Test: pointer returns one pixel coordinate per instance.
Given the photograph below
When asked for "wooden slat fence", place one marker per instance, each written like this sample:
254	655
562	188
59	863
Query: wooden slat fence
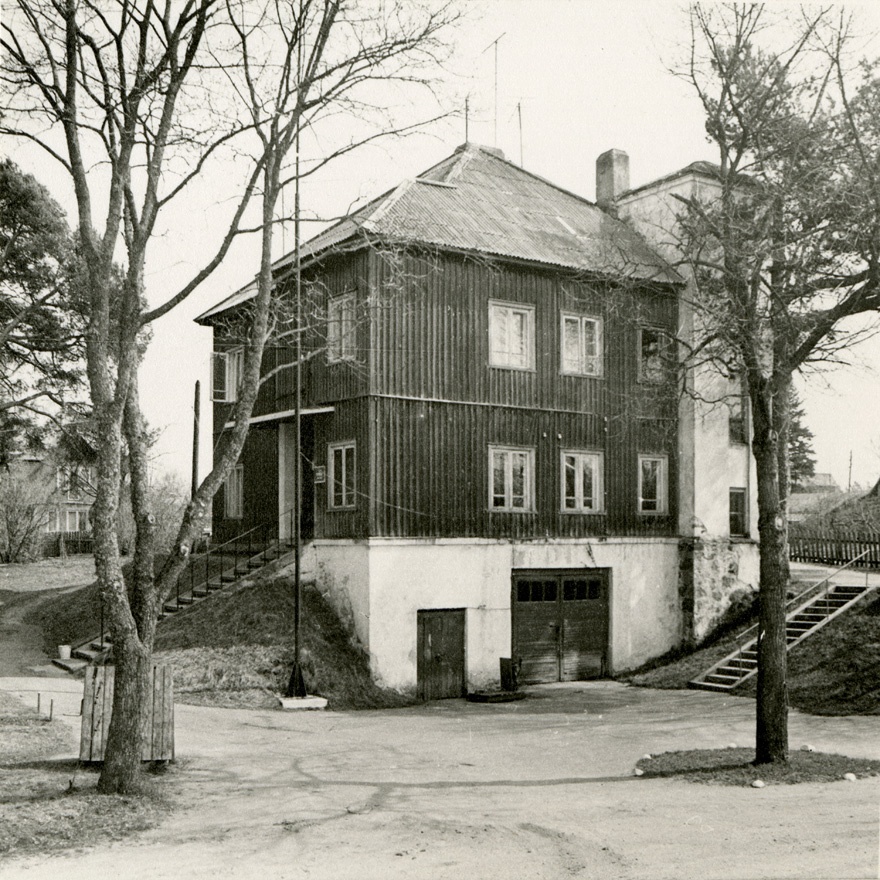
98	707
836	548
63	543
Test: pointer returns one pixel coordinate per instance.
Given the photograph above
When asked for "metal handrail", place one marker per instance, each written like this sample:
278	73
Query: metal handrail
795	599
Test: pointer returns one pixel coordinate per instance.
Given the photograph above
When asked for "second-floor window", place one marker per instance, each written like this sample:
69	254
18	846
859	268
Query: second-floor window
581	345
736	412
228	368
655	355
341	482
511	336
233	496
582	482
653	484
511	478
77	483
341	330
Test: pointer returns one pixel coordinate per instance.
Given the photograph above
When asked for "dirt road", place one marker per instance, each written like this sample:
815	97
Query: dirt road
536	789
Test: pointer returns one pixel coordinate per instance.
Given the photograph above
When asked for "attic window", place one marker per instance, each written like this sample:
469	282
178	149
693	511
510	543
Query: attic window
436	183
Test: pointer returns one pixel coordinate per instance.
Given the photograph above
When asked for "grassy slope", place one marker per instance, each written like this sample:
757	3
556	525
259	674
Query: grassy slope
835	672
240	642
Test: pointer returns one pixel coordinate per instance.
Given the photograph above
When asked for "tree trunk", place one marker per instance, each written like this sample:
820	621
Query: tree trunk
123	753
771	734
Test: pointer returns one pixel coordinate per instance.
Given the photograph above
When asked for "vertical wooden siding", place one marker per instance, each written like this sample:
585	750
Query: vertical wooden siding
431	472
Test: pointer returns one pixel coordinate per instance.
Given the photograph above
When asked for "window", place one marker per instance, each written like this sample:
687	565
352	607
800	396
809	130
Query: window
511	478
77	521
511	336
233	497
581	345
341	485
655	354
228	367
53	521
341	336
77	483
582	482
736	412
739	522
653	484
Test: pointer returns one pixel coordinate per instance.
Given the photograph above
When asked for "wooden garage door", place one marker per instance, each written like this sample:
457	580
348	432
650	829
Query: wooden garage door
560	625
440	644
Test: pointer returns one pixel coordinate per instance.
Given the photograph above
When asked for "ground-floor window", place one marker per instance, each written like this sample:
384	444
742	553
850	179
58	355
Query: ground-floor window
739	522
233	496
341	485
77	521
582	482
511	478
653	484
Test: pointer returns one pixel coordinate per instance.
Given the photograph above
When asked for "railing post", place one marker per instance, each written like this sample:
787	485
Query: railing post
102	620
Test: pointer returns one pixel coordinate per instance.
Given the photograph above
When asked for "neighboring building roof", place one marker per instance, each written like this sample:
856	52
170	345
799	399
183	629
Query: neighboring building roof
817	483
704	169
477	201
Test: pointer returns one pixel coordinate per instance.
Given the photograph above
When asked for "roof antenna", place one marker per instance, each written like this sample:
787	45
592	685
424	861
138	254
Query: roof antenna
467	116
519	114
495	44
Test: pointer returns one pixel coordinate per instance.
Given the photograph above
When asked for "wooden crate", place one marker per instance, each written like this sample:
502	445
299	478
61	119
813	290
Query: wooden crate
98	707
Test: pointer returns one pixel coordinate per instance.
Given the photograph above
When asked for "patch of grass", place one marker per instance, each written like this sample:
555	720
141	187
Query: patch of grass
67	618
834	672
45	573
735	767
236	649
47	803
837	671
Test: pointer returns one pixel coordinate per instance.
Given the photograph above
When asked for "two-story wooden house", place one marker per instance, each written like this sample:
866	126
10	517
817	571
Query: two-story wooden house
490	430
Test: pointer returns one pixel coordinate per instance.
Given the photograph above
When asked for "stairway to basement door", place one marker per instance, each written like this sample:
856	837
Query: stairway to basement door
801	623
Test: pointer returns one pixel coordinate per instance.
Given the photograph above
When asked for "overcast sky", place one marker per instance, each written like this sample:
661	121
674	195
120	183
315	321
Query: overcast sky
587	76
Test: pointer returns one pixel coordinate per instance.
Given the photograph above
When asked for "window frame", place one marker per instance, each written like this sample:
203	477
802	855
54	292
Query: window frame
342	344
528	478
233	367
527	309
79	514
663	488
742	493
233	493
597	322
665	340
737	413
332	448
580	456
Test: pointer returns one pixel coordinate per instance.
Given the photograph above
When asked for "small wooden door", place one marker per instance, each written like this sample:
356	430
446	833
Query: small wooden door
560	625
440	666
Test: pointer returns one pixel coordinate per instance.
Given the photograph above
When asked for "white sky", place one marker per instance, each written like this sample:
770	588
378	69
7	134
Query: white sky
588	75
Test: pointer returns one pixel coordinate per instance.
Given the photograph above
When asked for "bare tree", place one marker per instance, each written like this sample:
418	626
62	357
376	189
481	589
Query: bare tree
784	253
123	94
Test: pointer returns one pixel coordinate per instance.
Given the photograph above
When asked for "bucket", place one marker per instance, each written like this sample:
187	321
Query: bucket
64	652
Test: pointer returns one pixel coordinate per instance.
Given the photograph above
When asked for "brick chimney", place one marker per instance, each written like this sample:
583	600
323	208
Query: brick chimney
612	178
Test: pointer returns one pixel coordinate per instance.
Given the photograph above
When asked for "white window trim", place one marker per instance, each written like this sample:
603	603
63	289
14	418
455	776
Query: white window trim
526	309
600	353
343	346
331	475
664	373
582	455
663	500
234	492
743	491
233	367
529	480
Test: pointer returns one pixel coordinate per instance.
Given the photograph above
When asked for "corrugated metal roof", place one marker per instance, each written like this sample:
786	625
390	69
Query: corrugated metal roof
492	206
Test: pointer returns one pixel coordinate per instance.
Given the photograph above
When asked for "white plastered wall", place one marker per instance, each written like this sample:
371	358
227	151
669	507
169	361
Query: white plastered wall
380	586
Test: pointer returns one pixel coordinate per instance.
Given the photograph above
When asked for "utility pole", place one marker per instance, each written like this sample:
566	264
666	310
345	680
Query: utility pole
849	484
296	687
195	448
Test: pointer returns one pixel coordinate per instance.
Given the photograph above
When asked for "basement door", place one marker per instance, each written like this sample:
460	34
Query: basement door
560	625
440	664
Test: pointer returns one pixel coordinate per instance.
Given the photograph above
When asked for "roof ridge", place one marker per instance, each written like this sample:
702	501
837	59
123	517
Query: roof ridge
370	222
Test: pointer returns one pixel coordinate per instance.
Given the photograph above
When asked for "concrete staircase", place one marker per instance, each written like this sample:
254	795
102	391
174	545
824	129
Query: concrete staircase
97	648
808	617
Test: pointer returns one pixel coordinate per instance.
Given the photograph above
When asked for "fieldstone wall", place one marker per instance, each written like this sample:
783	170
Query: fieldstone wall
718	579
